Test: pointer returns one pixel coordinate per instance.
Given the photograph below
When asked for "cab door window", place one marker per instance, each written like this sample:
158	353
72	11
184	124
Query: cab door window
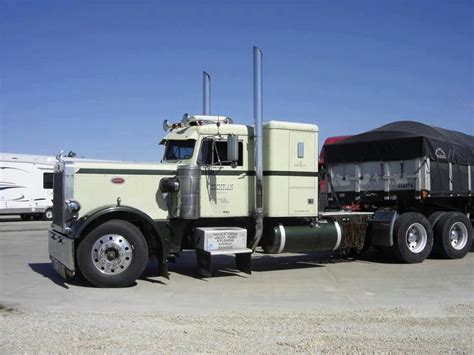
215	153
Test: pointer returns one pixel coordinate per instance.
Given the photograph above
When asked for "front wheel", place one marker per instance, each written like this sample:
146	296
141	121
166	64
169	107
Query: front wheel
453	235
412	237
114	254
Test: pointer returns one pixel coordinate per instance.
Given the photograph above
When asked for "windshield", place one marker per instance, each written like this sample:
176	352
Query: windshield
179	149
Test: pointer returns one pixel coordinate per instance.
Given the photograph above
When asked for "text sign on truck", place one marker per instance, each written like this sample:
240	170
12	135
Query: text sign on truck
211	239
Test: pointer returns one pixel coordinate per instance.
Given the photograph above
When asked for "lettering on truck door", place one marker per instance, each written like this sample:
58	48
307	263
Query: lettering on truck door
224	189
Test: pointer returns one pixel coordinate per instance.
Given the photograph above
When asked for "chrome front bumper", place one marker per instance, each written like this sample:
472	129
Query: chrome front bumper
61	253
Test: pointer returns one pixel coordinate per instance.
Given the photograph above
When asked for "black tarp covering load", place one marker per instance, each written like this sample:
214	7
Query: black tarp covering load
404	140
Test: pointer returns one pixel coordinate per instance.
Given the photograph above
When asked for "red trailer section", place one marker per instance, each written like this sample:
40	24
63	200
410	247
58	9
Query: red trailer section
328	141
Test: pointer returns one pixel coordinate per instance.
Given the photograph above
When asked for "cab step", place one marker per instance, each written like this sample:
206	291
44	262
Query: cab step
243	260
213	241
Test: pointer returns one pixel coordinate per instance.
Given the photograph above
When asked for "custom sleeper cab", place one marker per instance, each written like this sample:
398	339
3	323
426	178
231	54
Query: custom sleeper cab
113	216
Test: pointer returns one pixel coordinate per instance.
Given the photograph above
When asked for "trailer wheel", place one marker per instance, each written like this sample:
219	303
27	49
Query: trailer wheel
114	254
453	235
48	214
412	237
435	217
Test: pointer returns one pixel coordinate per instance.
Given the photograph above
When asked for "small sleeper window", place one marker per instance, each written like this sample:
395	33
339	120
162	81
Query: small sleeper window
300	150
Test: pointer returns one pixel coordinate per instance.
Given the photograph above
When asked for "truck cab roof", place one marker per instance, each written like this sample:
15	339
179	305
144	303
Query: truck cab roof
191	127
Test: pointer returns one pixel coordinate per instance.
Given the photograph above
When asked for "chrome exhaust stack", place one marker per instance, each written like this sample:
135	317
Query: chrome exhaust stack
258	117
206	93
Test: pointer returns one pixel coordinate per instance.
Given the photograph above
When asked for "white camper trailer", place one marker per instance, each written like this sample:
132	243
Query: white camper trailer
26	185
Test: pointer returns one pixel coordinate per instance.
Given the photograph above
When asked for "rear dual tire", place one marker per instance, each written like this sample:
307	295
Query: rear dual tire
447	234
412	238
453	235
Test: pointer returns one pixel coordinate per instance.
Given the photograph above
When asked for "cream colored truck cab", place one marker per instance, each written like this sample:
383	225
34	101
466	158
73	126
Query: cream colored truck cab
224	189
110	217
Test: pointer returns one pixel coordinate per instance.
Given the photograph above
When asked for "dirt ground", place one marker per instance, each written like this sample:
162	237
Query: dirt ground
375	330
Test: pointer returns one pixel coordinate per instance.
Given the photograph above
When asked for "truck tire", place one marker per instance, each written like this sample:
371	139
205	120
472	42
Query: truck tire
412	237
453	236
435	217
114	254
48	214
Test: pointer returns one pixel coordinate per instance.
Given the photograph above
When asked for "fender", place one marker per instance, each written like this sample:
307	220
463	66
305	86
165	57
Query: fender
382	227
114	212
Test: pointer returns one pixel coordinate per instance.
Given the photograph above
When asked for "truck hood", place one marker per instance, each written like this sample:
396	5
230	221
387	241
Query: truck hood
136	185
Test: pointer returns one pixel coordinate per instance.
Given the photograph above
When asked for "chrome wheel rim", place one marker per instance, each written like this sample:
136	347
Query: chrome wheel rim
458	235
416	238
111	254
49	214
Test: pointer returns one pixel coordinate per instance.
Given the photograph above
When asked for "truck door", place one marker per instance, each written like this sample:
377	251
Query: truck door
224	189
303	182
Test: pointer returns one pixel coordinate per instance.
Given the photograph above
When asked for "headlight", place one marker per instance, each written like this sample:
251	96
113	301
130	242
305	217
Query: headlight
73	207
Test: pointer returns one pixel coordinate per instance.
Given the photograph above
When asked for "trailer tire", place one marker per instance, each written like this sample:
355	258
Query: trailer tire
48	214
435	217
412	237
453	236
114	254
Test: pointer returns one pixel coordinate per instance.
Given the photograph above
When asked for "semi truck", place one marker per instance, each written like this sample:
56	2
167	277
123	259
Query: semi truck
26	185
221	189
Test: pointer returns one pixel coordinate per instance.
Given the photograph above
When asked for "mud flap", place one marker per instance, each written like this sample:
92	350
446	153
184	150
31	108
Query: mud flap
382	228
163	270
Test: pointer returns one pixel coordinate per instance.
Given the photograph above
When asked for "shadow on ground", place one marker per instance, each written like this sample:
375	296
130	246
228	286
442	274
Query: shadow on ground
47	271
224	266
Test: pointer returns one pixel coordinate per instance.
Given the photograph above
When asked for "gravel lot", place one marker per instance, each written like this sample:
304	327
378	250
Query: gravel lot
291	303
396	330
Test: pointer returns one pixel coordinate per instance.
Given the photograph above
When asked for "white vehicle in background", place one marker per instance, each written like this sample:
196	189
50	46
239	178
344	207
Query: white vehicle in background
26	185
